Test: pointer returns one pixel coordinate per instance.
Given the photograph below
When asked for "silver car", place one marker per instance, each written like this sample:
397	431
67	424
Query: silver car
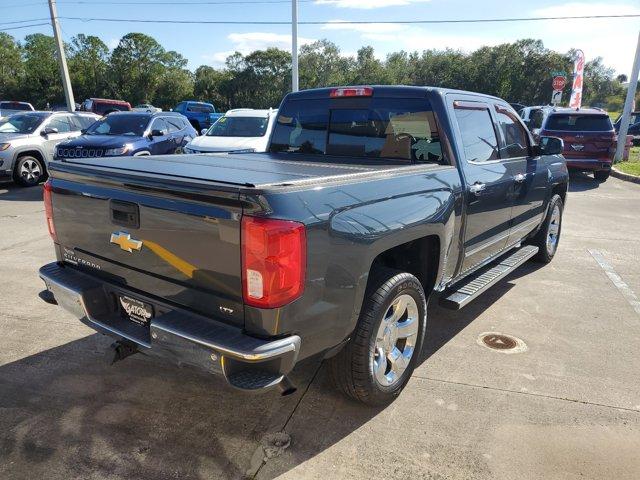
28	141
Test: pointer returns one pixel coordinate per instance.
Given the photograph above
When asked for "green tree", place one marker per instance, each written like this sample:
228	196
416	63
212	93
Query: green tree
137	66
213	86
321	65
88	66
42	83
11	67
260	79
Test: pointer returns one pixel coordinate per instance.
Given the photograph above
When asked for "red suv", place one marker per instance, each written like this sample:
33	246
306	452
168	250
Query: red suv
589	138
104	106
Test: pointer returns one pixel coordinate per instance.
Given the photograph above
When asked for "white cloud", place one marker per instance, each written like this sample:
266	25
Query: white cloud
367	4
113	43
246	43
613	39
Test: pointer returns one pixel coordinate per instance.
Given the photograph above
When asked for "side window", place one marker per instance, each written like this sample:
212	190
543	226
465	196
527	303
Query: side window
159	124
515	137
174	124
179	107
61	123
478	135
536	118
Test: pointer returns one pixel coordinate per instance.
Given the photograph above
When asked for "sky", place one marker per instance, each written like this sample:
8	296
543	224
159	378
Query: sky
613	39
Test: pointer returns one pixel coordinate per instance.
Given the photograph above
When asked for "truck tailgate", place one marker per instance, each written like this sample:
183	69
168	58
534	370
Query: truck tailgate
184	249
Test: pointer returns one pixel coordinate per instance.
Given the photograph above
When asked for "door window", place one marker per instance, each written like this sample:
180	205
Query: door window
174	124
61	123
478	135
160	124
515	139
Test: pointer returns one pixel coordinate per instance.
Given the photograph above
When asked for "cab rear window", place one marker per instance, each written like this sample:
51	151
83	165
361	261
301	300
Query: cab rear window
376	128
579	123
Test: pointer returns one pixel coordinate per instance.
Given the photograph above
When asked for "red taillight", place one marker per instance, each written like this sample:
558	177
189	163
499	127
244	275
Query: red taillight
48	209
273	261
351	92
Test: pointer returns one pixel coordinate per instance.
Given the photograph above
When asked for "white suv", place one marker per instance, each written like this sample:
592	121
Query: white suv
239	129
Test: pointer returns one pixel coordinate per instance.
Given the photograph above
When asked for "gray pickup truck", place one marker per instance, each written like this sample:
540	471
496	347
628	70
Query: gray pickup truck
370	202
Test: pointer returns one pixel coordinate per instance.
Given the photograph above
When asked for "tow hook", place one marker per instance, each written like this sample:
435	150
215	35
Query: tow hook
119	351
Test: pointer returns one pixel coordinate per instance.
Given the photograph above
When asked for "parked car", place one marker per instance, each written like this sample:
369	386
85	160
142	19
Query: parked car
9	108
104	106
239	129
28	140
588	135
533	116
370	201
634	126
517	106
201	115
146	107
130	134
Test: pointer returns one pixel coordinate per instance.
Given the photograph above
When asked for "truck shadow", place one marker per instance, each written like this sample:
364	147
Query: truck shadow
68	415
582	182
15	193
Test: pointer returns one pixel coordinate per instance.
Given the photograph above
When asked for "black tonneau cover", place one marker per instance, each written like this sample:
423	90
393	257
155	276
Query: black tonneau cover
255	170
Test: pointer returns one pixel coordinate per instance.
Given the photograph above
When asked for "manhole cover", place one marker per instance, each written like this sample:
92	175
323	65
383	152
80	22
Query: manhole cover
501	342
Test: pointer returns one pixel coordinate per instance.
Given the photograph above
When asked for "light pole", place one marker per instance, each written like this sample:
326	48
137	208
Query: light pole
294	45
64	72
628	103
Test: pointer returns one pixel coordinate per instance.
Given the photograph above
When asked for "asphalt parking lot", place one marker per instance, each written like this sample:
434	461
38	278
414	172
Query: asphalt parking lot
567	407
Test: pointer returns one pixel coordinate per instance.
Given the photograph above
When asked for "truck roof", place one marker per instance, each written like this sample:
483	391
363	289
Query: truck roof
405	91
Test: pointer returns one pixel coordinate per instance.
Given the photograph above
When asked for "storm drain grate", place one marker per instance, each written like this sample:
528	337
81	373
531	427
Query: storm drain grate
501	342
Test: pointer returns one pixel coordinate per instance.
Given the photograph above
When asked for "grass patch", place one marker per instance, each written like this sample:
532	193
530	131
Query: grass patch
631	167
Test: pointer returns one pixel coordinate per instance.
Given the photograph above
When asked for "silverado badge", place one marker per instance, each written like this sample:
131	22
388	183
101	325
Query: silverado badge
125	242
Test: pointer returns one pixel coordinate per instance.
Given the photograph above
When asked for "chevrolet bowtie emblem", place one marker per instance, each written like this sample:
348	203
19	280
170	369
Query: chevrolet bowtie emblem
125	242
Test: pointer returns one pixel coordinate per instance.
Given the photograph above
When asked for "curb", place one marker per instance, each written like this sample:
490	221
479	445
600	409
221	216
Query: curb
624	176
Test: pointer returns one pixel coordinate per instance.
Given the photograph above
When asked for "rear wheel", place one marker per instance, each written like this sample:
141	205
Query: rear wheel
377	362
548	236
29	171
601	175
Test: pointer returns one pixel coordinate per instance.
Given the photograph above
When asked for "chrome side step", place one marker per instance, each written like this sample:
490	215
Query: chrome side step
471	287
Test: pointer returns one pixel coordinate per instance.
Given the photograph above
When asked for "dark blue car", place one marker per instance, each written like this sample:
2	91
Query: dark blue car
130	134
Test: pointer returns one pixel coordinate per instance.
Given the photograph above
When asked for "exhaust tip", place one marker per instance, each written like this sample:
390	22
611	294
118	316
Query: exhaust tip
286	387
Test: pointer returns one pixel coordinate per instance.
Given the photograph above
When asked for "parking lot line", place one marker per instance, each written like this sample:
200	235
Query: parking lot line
617	281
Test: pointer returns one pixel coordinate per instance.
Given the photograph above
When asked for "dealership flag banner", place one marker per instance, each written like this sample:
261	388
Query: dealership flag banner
578	77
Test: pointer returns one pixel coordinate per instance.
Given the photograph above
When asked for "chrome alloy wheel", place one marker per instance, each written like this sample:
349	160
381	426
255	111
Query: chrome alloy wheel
395	340
554	230
30	171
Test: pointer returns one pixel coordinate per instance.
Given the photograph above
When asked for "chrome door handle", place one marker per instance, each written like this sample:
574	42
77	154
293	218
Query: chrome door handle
519	178
477	187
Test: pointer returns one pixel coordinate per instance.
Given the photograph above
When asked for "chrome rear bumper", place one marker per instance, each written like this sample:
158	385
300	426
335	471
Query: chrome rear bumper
247	362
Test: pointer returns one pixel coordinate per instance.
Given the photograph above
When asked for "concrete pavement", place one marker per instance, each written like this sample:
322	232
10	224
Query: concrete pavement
568	407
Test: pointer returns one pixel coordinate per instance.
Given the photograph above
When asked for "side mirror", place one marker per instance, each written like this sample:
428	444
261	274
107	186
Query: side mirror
204	131
550	146
48	131
83	131
156	133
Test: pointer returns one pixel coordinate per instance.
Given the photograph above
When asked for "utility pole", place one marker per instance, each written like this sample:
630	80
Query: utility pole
628	104
62	60
294	45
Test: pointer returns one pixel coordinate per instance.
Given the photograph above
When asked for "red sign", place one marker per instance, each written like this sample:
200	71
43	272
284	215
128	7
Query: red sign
559	82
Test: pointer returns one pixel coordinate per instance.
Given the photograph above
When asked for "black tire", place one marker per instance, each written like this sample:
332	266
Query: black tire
601	175
352	369
546	253
29	171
